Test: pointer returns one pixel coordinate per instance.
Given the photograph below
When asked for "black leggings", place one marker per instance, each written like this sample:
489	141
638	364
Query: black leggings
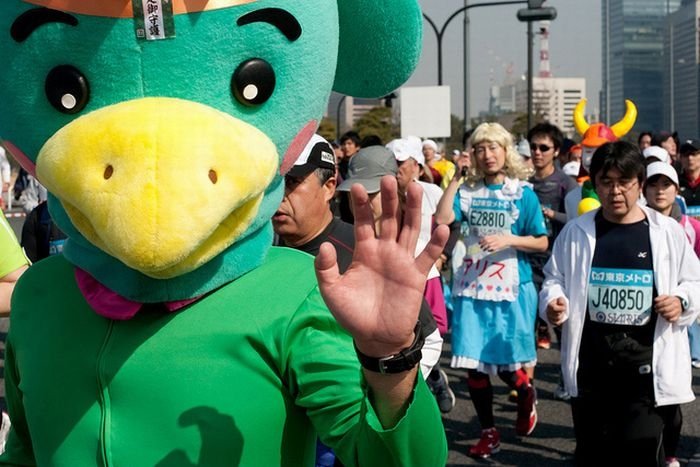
481	391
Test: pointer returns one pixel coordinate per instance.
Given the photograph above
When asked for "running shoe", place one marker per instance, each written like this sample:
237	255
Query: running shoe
444	395
490	443
527	413
672	462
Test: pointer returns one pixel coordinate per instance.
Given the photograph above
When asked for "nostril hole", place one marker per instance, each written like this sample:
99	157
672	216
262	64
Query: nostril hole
213	177
108	172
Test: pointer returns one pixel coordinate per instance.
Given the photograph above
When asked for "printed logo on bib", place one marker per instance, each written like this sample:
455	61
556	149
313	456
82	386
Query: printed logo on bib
620	296
489	216
56	247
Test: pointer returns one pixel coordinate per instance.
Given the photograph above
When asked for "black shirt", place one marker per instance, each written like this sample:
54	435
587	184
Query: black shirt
610	349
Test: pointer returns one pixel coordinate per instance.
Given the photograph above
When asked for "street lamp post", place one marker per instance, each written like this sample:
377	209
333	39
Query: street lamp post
439	33
337	128
534	12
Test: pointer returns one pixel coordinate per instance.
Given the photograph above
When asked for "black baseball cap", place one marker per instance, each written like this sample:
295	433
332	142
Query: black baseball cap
690	146
317	154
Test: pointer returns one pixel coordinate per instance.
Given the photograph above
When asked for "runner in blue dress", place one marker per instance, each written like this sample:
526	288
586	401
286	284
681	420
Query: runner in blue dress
495	300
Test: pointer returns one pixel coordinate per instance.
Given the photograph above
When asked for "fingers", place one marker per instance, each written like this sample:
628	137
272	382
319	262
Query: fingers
555	310
433	249
326	265
669	307
412	217
390	207
362	211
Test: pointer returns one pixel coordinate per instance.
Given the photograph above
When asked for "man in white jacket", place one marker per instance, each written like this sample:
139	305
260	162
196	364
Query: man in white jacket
624	283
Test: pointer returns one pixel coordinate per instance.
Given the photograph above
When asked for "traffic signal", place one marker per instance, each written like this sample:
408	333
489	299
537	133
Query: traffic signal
536	12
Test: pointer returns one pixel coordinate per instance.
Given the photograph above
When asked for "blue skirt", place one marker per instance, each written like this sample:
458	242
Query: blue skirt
491	336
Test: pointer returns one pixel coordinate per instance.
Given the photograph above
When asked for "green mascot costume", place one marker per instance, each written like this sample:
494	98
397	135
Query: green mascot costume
169	332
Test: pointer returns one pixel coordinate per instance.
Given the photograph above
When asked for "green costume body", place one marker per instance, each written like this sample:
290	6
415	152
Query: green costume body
244	376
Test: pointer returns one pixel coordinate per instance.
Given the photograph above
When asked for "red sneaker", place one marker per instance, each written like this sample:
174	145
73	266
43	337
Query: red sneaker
527	413
490	443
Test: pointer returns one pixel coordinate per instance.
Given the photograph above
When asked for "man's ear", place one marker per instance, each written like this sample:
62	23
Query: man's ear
380	44
329	189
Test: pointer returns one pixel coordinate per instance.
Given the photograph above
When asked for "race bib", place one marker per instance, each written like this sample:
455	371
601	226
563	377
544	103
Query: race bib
489	216
620	296
56	247
693	211
486	275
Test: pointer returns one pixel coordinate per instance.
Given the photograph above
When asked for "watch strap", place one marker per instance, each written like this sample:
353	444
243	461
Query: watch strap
397	363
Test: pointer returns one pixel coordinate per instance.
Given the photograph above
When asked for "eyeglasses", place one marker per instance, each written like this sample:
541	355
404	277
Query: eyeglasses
541	147
623	185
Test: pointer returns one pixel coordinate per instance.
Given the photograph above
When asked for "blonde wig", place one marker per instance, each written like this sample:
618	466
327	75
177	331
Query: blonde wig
514	166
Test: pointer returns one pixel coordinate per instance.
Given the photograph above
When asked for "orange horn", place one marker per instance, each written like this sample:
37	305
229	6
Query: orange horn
580	122
623	127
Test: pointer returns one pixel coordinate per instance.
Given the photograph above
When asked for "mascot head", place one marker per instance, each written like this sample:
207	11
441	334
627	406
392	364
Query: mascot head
162	128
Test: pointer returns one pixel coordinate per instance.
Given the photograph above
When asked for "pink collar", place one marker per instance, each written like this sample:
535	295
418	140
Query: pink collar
110	304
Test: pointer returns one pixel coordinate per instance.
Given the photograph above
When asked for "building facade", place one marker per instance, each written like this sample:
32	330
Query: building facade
554	99
681	78
633	59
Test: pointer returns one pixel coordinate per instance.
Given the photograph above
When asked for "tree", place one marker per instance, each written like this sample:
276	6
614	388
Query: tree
378	121
327	129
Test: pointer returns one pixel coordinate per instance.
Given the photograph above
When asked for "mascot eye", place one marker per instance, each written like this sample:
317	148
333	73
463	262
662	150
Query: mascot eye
253	82
67	89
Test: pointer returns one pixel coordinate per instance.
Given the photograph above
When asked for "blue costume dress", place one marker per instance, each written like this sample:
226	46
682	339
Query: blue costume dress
492	332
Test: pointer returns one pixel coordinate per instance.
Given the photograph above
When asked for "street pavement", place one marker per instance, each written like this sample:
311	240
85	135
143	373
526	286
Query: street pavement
552	442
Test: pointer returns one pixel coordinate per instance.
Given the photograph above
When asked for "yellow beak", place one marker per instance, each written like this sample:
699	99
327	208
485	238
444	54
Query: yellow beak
161	184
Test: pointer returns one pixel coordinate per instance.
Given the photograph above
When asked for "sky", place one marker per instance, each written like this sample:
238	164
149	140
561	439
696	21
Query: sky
497	39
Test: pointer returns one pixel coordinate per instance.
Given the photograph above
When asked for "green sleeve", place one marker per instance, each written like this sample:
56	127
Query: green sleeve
11	255
326	380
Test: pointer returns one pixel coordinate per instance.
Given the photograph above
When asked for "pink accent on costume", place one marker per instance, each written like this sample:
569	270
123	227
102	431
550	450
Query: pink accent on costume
297	145
110	304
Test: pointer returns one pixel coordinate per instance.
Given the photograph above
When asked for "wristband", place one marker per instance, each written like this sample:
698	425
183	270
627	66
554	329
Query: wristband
397	363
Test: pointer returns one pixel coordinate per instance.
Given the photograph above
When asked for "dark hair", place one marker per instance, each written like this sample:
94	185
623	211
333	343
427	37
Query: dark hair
324	174
350	135
547	129
371	140
642	135
623	156
662	136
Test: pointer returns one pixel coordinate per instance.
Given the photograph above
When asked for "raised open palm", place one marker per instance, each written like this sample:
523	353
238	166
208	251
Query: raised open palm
377	299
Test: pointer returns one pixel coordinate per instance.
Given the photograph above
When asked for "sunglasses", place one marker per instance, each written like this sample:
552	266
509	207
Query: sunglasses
541	147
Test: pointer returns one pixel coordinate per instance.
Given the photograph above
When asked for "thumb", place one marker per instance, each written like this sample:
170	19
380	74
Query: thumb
326	265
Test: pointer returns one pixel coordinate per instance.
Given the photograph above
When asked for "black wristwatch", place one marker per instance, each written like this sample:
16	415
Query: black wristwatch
397	363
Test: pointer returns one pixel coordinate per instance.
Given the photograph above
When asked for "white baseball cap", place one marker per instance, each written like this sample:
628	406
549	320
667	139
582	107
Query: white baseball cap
572	168
662	168
658	152
405	148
